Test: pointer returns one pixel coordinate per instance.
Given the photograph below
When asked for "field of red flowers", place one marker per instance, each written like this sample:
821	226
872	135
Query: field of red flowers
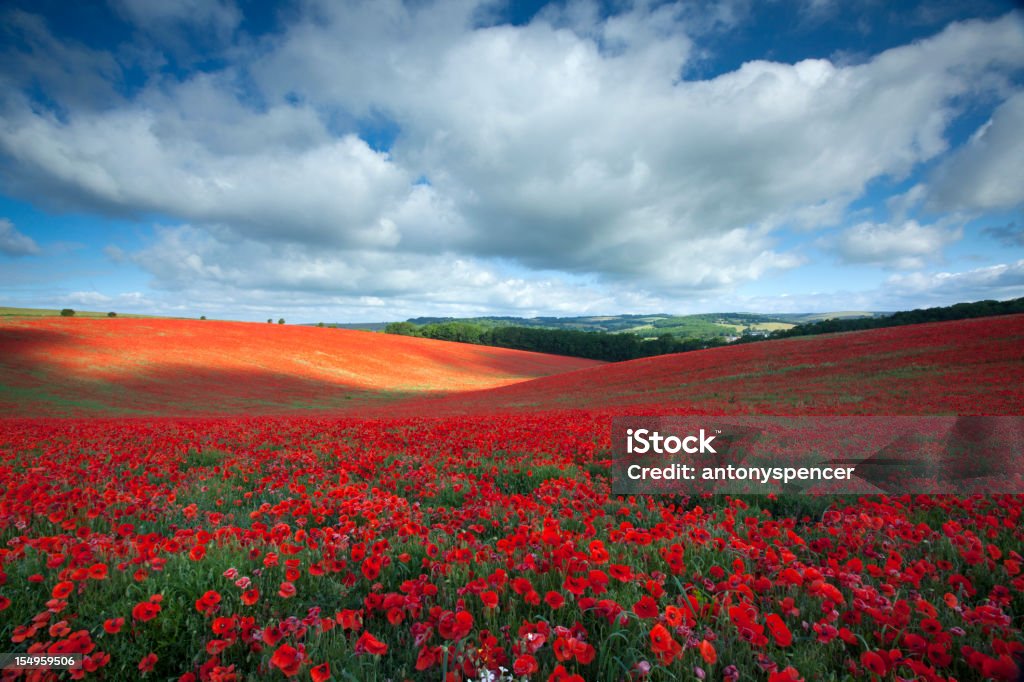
963	367
88	367
487	546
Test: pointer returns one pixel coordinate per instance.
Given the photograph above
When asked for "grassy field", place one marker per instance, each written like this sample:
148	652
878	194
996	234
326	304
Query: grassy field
47	312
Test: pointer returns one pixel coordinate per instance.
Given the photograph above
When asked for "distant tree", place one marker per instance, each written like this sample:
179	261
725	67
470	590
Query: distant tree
320	324
111	314
402	328
202	317
281	321
270	321
67	312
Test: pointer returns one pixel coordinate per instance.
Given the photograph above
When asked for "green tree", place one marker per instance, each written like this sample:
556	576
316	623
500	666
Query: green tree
111	314
67	312
402	328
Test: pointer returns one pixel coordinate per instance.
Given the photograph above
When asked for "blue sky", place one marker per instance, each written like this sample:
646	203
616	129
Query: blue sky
362	161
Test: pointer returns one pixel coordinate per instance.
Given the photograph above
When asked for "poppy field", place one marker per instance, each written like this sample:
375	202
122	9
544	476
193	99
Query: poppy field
474	536
67	367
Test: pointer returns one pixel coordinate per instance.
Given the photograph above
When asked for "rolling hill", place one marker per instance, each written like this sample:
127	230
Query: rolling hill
82	367
962	367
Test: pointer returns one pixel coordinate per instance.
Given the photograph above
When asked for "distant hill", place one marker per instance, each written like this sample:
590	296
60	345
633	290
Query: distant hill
81	366
960	367
700	326
6	311
697	326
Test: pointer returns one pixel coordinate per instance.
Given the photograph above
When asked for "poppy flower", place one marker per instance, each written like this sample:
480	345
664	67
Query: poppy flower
780	633
646	607
525	665
288	659
369	644
554	600
148	662
62	589
707	652
874	662
145	611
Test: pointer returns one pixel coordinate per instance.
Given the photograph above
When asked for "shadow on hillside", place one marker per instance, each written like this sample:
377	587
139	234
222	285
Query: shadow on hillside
17	342
34	382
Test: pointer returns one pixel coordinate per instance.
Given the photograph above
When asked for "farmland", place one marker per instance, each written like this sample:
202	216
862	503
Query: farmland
70	366
458	536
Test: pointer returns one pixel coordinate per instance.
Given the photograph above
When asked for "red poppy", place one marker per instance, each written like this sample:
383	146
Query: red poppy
646	607
288	659
780	633
455	626
707	652
554	599
320	673
428	657
874	662
525	665
148	662
145	611
489	598
367	643
62	589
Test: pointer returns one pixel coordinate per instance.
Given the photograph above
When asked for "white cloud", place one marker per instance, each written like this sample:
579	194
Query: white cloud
905	246
568	149
88	298
988	172
71	74
1009	234
1001	281
14	243
167	21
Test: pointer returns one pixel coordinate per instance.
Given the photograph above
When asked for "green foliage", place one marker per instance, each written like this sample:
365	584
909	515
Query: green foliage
281	321
67	312
959	311
206	457
661	334
402	329
111	314
571	342
202	317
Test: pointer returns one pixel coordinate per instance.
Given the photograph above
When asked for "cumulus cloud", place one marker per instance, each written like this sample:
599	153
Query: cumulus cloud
14	243
190	263
175	24
566	150
71	74
986	173
905	246
1001	281
1010	234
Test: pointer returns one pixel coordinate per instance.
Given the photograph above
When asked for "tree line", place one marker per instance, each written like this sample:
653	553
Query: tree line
959	311
611	347
615	347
